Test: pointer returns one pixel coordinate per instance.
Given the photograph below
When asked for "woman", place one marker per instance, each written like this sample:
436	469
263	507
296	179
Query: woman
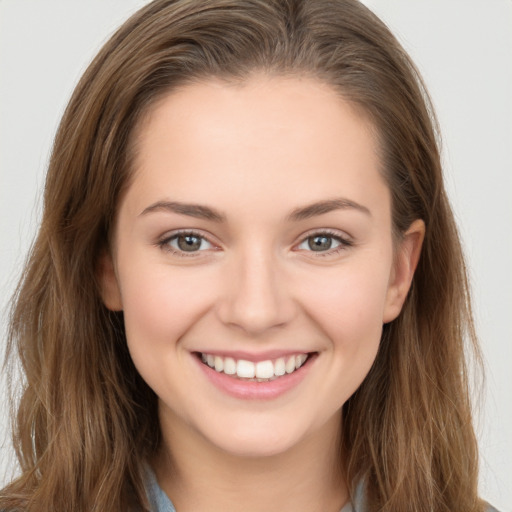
171	271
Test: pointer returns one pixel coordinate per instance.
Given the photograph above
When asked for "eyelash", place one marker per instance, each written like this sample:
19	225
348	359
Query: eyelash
164	244
344	243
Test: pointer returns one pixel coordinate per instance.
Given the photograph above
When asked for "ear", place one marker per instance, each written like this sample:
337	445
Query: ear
107	278
406	260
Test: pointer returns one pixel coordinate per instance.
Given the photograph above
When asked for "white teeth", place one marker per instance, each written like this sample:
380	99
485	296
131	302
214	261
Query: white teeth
245	369
229	366
300	360
290	365
219	364
279	367
262	371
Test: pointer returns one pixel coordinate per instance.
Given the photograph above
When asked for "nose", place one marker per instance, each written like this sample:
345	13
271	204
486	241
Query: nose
255	294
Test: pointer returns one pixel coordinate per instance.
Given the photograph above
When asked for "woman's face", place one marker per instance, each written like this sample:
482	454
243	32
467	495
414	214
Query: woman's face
254	262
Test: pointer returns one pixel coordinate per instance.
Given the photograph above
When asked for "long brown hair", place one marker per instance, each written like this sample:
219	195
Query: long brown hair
86	421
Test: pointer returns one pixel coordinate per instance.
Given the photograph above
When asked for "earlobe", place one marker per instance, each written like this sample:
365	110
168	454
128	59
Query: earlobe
407	257
107	279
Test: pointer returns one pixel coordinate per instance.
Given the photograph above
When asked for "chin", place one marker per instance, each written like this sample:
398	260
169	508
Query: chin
255	449
256	441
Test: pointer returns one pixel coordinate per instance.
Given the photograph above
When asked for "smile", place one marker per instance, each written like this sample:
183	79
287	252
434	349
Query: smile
261	371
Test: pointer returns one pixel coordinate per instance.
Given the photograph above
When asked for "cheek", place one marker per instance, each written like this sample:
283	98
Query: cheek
160	305
348	307
350	300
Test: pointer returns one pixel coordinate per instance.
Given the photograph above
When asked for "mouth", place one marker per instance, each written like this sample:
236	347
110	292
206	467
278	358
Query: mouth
249	377
261	371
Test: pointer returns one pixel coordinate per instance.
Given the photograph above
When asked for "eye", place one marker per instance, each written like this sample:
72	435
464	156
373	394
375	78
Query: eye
324	242
185	242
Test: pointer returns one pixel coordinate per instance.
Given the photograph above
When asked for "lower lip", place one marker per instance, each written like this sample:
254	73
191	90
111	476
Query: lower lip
252	390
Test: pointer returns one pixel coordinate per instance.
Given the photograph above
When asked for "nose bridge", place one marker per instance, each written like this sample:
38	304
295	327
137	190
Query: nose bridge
255	297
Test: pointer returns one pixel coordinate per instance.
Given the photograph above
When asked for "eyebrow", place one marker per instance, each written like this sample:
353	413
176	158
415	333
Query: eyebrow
298	214
321	207
192	210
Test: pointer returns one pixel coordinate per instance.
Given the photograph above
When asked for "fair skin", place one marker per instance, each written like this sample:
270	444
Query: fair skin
256	280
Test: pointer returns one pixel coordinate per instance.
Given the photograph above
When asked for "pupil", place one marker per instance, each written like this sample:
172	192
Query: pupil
189	243
320	243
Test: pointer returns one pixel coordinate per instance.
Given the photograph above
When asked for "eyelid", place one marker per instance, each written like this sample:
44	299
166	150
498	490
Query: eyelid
344	239
164	242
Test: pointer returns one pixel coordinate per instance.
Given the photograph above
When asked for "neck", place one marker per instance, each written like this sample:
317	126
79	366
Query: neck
200	477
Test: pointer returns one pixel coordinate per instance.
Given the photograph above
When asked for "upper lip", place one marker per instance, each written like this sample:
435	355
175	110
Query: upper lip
254	357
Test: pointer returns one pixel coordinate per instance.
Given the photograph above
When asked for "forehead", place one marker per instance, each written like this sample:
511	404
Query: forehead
258	138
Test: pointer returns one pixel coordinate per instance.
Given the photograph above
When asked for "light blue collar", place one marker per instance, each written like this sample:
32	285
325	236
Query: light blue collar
160	502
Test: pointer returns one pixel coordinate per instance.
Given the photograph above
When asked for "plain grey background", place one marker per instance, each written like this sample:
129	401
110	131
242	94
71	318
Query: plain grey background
463	49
